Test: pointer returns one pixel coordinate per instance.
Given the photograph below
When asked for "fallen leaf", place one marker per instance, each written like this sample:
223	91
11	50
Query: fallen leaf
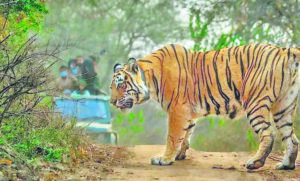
5	162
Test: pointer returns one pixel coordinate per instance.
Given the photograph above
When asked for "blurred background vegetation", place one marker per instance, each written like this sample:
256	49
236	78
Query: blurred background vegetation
114	31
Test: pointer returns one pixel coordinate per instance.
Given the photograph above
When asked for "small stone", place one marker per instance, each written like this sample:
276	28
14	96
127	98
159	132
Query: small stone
98	161
230	168
218	167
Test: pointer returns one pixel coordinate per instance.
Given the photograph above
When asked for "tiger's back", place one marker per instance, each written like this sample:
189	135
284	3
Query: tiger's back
218	82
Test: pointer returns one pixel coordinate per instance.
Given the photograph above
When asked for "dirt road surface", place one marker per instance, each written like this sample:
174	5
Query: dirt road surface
134	164
104	162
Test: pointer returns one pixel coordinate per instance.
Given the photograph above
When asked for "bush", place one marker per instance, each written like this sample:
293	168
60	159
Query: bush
30	131
39	137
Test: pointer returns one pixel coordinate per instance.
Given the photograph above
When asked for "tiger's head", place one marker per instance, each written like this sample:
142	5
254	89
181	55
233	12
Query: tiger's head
128	86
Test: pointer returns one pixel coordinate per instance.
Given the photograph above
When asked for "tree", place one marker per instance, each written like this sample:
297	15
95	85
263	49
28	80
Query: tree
122	28
23	68
268	21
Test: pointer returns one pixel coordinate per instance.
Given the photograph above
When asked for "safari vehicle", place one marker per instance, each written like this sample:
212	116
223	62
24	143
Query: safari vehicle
92	113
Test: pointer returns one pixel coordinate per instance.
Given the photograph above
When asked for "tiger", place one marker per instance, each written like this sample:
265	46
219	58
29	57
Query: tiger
259	81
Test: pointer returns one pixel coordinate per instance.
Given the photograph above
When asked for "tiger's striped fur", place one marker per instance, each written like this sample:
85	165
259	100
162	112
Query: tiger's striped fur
260	81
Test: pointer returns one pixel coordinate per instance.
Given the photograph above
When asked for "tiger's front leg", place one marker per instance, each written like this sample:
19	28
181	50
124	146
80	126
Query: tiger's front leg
176	135
186	142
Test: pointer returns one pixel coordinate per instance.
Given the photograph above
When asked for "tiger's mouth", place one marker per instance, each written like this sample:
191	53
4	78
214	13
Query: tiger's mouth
125	104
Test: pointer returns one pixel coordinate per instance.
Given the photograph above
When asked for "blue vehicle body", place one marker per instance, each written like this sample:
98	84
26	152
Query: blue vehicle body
91	112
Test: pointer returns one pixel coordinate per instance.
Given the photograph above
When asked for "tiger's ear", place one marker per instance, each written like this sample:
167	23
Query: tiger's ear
133	66
117	67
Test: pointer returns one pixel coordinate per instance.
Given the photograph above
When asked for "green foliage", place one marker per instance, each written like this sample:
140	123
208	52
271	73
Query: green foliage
129	126
29	6
273	22
253	144
55	155
47	102
23	17
199	33
227	40
38	138
218	134
198	30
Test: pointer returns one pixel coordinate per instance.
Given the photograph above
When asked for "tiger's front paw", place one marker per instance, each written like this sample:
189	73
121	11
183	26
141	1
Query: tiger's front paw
254	164
160	160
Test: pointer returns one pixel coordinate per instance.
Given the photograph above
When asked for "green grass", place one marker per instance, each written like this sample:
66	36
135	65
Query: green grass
46	137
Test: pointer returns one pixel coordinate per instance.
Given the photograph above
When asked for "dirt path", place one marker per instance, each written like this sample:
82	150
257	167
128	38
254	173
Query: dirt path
198	166
103	162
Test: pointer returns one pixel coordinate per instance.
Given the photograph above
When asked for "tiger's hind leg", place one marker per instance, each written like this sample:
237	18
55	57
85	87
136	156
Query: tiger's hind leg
283	117
186	142
259	118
